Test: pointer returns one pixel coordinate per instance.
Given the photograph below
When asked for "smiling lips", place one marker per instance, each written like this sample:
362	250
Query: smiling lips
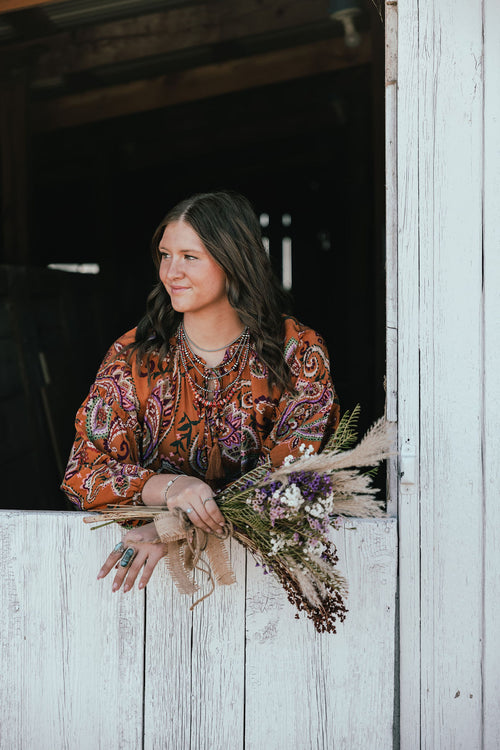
177	289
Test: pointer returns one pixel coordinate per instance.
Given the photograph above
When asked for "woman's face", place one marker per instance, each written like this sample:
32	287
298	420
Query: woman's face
192	278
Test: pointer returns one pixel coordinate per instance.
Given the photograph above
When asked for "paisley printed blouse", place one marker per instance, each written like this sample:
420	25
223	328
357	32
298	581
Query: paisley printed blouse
135	423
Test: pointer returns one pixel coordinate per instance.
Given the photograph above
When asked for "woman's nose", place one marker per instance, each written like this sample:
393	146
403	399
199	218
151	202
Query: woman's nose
174	270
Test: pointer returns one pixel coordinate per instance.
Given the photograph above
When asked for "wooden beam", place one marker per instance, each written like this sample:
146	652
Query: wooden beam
199	83
202	25
6	6
31	23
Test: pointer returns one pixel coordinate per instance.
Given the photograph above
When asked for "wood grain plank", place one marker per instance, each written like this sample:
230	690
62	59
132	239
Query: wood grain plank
199	83
359	673
450	226
195	664
167	696
6	6
325	689
72	651
408	372
218	663
391	262
491	238
176	29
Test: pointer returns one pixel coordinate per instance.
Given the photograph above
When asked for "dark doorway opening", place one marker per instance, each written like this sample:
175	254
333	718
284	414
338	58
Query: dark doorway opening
302	151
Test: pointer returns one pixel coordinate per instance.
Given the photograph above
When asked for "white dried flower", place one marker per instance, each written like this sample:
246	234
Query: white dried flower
292	496
315	510
277	544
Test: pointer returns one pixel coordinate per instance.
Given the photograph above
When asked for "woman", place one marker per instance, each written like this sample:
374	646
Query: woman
213	380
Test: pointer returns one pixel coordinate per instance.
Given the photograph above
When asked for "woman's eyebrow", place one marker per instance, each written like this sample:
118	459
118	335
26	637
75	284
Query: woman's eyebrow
183	250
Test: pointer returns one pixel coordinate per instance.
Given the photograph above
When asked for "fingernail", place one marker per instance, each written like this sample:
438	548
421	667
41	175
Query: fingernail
115	587
141	585
99	575
126	587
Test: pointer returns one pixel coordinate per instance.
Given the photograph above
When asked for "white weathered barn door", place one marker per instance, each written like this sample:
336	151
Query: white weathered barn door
86	669
444	174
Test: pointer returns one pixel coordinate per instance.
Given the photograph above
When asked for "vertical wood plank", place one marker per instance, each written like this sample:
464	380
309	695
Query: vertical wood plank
408	373
359	683
491	249
218	664
167	694
195	664
449	197
325	690
391	264
72	652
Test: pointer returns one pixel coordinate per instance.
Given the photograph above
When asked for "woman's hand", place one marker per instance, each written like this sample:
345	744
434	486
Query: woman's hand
147	550
195	498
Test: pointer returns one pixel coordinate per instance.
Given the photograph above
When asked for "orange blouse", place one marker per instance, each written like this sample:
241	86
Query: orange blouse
135	424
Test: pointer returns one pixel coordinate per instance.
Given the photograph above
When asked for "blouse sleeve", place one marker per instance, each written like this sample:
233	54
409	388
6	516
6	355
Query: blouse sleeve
104	465
309	415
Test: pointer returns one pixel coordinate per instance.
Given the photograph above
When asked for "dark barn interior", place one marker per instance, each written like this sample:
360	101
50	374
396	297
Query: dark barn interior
110	113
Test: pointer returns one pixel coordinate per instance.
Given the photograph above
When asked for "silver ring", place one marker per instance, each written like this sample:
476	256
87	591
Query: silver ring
206	500
189	510
120	547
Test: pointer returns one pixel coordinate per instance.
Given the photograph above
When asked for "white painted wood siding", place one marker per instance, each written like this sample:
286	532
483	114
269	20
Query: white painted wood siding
448	281
85	669
491	370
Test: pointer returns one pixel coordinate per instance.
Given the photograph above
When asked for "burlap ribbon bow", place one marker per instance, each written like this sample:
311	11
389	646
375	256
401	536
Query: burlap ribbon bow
185	544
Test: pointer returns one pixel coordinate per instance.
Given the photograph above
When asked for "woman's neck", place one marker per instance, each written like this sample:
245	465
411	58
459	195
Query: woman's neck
208	336
212	333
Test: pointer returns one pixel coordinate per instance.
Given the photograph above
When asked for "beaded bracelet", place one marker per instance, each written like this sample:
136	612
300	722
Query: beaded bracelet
169	484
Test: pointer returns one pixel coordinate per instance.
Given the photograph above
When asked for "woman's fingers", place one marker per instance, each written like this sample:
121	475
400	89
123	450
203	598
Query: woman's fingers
132	571
129	564
150	565
196	519
201	508
209	518
213	511
138	549
111	560
125	564
209	515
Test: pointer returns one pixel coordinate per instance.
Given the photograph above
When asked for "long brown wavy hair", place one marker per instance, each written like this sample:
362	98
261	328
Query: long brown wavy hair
228	227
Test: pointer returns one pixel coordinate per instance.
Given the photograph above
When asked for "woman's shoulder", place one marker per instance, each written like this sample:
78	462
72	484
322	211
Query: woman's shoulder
125	340
299	336
117	352
125	356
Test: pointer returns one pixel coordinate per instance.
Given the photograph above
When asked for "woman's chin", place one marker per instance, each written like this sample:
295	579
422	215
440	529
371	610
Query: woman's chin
178	305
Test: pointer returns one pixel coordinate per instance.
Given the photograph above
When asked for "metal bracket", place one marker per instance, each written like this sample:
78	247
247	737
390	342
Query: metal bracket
408	468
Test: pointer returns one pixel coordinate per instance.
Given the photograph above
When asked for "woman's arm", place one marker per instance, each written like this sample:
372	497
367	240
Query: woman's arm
190	494
309	415
105	463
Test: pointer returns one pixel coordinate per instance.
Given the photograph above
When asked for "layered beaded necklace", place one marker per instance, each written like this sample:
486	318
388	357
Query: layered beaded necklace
210	394
203	393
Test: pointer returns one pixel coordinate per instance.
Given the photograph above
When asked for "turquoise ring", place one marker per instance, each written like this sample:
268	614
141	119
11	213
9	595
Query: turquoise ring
127	557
